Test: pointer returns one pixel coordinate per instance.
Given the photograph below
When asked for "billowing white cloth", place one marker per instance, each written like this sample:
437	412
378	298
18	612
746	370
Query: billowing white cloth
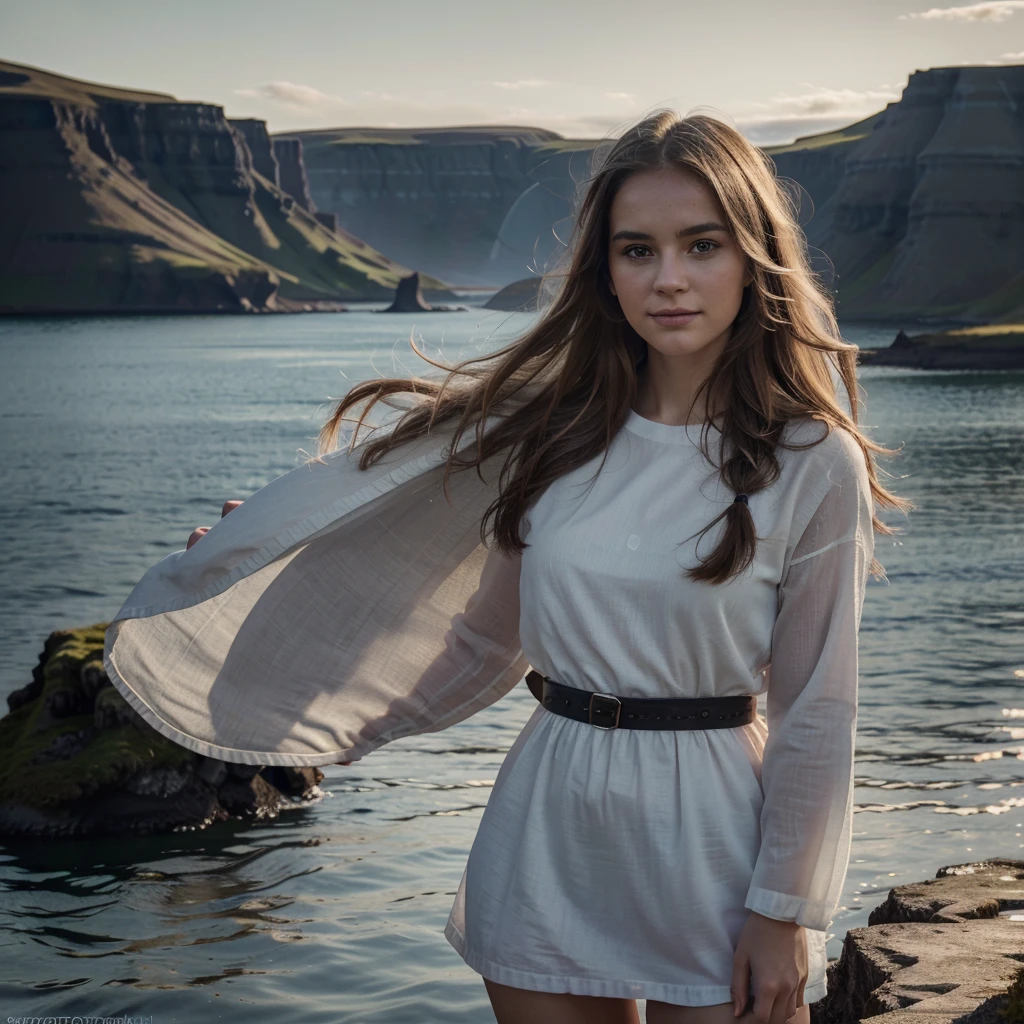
325	615
335	610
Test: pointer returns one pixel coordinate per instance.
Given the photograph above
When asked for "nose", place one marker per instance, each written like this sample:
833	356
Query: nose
671	274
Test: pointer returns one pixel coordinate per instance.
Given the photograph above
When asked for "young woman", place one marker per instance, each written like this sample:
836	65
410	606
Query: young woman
682	518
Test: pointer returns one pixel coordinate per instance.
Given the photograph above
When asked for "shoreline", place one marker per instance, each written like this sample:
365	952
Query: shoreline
979	347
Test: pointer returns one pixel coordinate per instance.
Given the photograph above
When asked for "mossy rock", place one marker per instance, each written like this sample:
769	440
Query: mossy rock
76	759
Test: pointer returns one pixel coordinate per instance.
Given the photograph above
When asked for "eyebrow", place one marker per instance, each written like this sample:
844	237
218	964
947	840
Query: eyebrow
696	229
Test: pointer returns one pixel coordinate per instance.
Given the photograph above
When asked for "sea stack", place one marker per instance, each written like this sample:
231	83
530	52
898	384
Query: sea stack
409	296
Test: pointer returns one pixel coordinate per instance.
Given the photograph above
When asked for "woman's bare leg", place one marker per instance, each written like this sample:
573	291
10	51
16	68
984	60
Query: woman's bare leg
521	1006
720	1013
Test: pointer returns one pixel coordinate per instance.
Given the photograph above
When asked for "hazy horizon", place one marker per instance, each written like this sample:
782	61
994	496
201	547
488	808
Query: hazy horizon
777	72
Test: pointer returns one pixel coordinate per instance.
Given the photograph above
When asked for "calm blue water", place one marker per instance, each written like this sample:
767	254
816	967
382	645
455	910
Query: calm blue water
122	435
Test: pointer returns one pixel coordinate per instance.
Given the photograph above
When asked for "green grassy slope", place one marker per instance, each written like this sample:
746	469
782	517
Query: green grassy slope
117	199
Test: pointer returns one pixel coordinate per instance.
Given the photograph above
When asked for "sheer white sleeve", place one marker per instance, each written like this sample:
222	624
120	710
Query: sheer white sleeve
481	660
807	767
334	610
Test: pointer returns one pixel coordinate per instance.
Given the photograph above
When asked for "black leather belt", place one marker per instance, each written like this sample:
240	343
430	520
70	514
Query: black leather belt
606	711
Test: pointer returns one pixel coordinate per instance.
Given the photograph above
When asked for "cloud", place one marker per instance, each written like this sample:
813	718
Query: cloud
1001	61
775	120
289	94
830	101
780	131
992	10
524	83
785	117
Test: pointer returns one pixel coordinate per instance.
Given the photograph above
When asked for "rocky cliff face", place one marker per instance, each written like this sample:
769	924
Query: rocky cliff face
926	219
262	149
116	200
288	153
914	213
436	198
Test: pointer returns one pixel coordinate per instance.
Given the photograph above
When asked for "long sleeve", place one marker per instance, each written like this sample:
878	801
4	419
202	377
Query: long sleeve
807	767
334	610
481	661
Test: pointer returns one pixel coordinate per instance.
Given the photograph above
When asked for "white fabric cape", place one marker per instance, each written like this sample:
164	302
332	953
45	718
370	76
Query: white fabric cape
325	615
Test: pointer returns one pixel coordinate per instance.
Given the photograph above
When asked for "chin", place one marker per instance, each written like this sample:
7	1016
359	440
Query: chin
677	343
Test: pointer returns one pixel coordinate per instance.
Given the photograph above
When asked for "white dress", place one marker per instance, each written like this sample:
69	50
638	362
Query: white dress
625	862
337	609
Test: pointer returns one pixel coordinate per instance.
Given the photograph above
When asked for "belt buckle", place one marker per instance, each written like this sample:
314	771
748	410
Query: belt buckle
590	710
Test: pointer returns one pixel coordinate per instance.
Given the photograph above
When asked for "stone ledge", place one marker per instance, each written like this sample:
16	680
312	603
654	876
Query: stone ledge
935	951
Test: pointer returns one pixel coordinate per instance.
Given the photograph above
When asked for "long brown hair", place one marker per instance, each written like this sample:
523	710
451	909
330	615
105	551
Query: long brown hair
574	373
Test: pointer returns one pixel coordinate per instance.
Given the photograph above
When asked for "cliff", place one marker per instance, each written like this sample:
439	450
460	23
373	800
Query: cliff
913	214
438	198
117	200
923	216
257	138
288	153
816	163
126	200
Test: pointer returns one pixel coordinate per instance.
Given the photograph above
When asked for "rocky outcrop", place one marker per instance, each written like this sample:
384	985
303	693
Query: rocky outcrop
994	347
519	296
121	201
258	140
329	220
293	172
947	949
409	299
76	760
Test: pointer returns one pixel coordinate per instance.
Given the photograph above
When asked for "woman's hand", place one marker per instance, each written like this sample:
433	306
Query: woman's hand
200	531
773	955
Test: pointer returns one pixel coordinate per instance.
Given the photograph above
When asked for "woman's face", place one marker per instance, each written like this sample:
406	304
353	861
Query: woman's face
669	249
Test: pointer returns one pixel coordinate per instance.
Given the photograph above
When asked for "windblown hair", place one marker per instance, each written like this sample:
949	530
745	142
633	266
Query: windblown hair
574	373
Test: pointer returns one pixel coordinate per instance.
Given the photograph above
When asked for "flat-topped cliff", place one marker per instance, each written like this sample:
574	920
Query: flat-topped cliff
438	198
914	213
120	200
927	214
123	199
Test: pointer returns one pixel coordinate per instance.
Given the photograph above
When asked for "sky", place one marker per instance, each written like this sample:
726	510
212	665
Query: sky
775	69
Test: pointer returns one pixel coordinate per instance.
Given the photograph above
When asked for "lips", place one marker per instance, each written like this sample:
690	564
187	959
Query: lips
674	319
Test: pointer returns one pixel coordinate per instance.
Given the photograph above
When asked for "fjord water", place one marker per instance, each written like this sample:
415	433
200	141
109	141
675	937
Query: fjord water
123	434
